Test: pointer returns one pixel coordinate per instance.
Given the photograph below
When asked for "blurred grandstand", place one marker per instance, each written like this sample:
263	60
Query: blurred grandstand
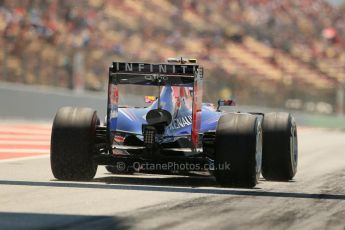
272	53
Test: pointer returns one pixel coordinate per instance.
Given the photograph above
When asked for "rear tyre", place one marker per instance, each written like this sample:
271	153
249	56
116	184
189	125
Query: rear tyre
239	145
280	147
72	143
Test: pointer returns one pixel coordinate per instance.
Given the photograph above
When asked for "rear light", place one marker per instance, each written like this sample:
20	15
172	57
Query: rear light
149	135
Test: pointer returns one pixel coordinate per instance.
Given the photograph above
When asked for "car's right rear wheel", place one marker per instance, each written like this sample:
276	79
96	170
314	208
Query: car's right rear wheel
280	147
238	145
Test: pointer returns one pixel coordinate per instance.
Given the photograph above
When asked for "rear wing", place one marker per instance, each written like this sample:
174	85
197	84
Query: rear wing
152	74
184	75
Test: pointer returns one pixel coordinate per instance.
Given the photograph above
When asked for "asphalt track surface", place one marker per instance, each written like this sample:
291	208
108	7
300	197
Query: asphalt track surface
30	198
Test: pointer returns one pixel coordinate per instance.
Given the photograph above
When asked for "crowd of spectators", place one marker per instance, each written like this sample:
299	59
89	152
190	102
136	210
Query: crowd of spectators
48	42
310	30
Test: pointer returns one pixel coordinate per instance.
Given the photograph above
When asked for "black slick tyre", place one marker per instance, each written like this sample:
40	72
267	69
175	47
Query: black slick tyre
239	145
280	147
72	143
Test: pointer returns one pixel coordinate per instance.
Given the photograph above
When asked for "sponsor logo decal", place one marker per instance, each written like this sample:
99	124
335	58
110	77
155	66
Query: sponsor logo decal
156	77
155	68
181	122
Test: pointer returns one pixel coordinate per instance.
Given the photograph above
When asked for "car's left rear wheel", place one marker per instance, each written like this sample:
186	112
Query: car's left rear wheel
72	144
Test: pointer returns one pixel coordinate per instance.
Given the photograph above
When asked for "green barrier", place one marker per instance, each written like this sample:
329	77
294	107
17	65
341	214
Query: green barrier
323	121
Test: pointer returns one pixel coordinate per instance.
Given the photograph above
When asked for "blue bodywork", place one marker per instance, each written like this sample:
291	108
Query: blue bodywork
130	120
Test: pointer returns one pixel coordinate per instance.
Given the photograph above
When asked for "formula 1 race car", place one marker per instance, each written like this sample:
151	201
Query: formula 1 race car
175	133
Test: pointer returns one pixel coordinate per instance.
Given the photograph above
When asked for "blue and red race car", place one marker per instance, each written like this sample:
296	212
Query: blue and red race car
176	133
